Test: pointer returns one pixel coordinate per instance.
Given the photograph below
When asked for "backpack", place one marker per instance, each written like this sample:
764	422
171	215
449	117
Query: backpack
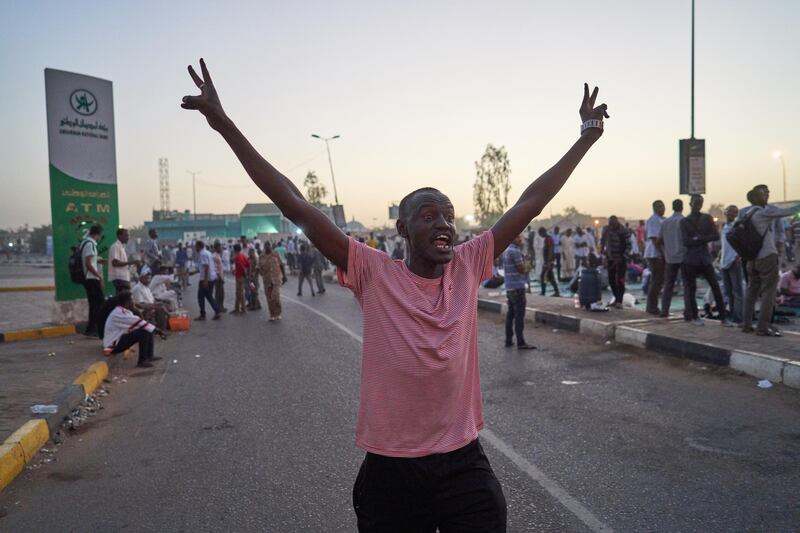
745	238
76	273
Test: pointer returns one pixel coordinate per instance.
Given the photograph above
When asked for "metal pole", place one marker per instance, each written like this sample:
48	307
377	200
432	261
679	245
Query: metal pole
692	69
194	193
783	168
330	162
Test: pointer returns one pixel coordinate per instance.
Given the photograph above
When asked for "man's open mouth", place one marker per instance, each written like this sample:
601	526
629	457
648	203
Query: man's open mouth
442	241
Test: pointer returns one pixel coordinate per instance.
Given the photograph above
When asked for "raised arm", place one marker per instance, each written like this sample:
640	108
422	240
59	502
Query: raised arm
540	192
318	227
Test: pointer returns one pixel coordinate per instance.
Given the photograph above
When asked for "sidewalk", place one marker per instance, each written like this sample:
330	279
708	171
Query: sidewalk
31	376
776	359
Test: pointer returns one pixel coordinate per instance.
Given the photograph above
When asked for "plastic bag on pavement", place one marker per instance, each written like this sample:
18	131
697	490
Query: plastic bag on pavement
764	384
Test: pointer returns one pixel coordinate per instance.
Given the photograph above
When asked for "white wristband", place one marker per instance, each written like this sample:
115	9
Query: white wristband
591	123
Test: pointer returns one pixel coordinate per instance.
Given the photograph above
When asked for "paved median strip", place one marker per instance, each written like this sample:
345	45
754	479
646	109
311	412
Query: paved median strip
630	333
20	448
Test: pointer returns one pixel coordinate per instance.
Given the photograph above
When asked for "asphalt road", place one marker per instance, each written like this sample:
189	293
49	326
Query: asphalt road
257	434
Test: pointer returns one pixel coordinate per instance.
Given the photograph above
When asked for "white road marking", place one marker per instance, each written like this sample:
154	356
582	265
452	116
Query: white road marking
553	488
556	491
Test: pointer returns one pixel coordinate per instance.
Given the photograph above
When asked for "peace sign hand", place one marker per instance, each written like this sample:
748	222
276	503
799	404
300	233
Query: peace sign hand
588	111
208	101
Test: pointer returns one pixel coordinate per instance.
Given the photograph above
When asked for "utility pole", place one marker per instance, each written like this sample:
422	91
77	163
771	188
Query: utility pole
330	161
778	155
194	193
692	136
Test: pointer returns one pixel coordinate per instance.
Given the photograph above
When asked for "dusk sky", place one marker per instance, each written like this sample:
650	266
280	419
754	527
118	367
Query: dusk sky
416	90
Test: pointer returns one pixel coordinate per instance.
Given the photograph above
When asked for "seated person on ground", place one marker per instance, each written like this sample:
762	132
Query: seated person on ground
146	303
123	328
161	285
789	287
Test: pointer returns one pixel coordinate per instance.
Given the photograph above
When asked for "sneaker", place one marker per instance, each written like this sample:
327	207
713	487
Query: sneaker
698	322
508	344
217	316
525	346
155	358
145	364
727	323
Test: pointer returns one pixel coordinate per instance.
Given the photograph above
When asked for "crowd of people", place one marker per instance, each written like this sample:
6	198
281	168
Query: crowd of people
665	252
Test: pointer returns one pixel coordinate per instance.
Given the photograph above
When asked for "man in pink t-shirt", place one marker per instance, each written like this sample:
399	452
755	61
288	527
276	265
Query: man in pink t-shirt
420	407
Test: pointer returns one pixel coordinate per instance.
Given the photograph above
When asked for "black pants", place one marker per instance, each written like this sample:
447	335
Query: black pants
558	265
304	276
206	293
616	278
671	271
547	275
141	336
690	275
94	295
515	317
454	492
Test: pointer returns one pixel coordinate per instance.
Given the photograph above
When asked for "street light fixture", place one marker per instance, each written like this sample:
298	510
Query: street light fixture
330	161
778	155
194	193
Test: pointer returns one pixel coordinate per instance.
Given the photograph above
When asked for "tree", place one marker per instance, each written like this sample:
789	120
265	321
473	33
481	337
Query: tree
717	211
490	192
315	190
572	211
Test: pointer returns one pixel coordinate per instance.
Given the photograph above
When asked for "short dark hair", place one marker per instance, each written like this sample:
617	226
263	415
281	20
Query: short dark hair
677	205
200	244
120	231
657	202
237	247
96	229
751	196
403	209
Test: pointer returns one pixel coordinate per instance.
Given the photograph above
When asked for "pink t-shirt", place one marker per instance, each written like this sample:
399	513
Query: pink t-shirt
420	382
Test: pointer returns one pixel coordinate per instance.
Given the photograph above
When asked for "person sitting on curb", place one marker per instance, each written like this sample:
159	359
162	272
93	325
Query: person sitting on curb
124	328
146	303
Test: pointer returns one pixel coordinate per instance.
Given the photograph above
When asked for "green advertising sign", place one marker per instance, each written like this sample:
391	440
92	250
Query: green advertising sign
83	168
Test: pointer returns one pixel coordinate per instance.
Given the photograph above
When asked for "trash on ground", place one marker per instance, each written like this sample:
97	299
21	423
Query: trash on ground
528	383
44	409
608	342
598	307
567	382
197	355
174	360
555	330
51	354
765	384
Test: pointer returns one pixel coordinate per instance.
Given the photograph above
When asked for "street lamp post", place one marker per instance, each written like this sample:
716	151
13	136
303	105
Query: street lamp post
330	162
194	193
778	155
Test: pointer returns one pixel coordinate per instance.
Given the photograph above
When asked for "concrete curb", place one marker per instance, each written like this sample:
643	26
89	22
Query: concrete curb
38	333
21	447
33	288
758	365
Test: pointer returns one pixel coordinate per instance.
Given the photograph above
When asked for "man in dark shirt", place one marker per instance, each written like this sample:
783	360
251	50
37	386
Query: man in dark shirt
698	229
615	245
548	259
306	264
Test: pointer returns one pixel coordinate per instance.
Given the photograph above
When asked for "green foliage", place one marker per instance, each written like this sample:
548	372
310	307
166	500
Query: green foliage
315	191
490	191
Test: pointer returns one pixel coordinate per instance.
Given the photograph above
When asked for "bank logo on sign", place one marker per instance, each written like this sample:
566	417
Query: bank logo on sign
83	102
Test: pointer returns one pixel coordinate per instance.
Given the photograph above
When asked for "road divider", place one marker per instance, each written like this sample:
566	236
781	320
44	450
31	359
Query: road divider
634	333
